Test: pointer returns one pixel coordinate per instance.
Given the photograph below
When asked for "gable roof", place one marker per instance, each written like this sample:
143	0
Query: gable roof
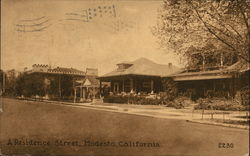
89	81
144	66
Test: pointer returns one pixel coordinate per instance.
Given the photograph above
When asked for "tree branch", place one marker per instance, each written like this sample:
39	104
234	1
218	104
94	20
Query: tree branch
224	24
247	25
214	34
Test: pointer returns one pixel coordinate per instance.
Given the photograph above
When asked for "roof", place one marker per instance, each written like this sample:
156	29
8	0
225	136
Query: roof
202	75
144	66
223	73
93	80
66	71
240	66
89	81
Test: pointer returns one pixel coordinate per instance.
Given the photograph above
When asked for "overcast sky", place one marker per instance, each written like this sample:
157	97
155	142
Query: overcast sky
79	34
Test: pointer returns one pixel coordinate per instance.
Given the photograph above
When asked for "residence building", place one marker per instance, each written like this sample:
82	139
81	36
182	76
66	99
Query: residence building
212	76
66	83
139	76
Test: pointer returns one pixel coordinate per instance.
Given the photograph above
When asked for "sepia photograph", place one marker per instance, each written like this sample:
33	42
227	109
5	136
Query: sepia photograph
124	77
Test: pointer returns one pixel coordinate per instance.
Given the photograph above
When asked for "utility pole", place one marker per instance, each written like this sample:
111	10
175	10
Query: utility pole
3	82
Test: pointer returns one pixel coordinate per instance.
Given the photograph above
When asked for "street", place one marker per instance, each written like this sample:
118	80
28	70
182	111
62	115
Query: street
67	130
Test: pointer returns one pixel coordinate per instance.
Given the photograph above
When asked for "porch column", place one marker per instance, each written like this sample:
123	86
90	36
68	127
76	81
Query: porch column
123	85
221	60
203	61
135	86
131	84
59	86
152	86
74	94
83	93
113	87
100	89
81	90
94	92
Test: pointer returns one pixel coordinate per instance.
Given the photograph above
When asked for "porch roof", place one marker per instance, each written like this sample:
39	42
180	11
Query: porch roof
89	81
227	72
144	67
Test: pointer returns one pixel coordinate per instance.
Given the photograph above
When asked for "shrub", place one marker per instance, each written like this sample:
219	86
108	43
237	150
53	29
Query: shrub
115	99
220	104
179	102
131	99
170	90
243	96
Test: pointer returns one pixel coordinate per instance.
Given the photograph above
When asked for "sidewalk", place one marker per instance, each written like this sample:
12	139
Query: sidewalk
218	118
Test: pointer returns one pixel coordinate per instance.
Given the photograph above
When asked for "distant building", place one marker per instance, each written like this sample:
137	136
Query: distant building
66	83
40	68
141	75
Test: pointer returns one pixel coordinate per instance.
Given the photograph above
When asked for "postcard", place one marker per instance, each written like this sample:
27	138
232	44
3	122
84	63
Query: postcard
124	77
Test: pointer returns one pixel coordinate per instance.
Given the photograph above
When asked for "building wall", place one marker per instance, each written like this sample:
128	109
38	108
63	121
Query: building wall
209	88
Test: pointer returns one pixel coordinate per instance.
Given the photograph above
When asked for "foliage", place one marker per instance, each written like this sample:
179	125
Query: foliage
220	104
243	96
40	84
170	90
131	99
219	26
115	99
29	85
178	103
10	82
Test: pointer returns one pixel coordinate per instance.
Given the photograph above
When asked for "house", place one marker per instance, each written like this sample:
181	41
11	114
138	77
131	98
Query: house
63	82
223	82
141	75
211	72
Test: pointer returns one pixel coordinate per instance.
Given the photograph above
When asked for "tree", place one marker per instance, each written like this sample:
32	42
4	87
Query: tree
30	84
199	23
2	79
10	82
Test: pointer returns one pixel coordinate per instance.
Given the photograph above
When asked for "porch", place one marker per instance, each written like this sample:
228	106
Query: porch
86	89
133	83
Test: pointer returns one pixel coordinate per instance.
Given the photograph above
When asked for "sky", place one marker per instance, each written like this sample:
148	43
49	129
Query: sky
79	33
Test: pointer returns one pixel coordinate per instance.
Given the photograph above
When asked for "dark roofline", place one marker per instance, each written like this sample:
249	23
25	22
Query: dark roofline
227	70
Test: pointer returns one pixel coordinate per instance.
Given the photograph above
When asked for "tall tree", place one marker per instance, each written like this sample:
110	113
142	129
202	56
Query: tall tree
225	24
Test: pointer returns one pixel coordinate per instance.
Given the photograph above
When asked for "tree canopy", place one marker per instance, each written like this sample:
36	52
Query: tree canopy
224	24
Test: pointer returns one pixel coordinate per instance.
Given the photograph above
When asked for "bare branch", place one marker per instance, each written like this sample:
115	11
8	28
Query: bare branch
214	34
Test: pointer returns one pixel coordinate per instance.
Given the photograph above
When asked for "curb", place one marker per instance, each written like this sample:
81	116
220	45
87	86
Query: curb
219	124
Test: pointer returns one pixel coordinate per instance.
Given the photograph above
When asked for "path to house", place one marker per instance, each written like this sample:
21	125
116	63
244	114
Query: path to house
55	123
